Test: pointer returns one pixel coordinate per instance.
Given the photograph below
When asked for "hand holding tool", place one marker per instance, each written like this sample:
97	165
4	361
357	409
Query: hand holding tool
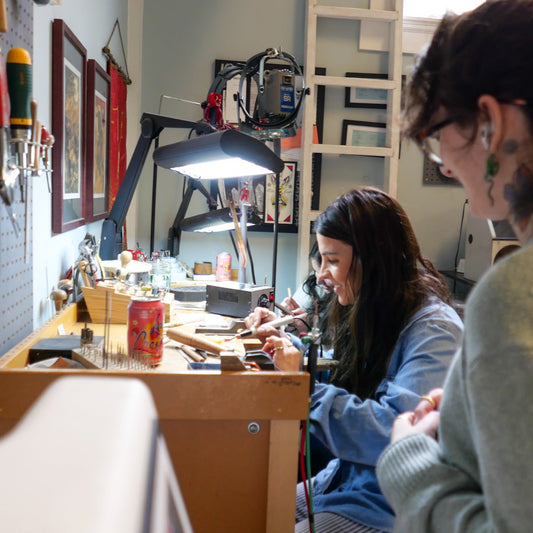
273	323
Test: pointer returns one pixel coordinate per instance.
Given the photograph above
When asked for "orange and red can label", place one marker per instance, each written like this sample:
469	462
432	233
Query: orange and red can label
145	329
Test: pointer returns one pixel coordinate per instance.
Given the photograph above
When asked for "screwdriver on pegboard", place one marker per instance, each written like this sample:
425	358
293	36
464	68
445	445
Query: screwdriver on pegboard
8	171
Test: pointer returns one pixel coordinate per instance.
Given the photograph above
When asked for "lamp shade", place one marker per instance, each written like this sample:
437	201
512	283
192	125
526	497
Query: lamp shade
223	154
215	220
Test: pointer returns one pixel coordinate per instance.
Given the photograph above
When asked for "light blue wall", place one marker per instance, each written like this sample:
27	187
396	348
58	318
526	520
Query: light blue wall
181	41
92	23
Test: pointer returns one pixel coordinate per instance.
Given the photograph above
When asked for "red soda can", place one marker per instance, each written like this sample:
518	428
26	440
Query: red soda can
145	329
223	272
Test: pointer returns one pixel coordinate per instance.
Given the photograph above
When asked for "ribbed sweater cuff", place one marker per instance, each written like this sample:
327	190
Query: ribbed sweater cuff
403	465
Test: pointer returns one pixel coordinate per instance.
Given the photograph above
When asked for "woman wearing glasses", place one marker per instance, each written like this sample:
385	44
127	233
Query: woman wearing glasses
394	335
463	461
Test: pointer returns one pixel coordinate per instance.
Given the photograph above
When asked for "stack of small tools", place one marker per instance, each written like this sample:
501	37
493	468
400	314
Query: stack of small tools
25	145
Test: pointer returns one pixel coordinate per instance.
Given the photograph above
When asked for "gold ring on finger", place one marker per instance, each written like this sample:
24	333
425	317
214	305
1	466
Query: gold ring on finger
430	400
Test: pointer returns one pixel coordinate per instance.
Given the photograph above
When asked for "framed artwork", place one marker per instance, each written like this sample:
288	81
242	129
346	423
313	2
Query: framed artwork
361	133
365	98
69	62
369	98
97	141
287	186
261	193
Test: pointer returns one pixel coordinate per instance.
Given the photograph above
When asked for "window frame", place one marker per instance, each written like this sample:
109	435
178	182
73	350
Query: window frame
417	31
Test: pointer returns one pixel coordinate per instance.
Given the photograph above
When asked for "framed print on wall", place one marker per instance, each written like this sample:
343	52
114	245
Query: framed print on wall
363	97
287	186
362	133
369	98
69	61
97	141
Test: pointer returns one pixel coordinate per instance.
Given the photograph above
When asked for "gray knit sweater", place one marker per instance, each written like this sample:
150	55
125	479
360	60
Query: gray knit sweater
479	475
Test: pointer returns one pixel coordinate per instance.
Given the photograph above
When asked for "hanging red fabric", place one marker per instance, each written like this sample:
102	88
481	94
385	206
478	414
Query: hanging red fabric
117	134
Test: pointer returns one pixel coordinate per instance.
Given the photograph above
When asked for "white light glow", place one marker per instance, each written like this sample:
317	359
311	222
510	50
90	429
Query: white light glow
224	168
228	226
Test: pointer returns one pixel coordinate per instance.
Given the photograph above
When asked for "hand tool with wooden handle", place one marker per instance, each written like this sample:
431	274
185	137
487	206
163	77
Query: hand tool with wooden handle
191	352
3	17
184	336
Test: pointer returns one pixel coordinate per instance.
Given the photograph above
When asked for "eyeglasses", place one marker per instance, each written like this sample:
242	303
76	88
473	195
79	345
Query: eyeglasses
429	141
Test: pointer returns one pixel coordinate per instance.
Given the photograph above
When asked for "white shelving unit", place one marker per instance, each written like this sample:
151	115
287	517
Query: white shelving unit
393	18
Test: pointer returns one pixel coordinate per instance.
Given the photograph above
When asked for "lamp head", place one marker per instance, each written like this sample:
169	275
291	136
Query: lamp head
223	154
216	220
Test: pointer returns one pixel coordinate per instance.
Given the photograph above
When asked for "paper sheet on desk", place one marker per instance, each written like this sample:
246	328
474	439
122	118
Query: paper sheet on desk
200	318
189	305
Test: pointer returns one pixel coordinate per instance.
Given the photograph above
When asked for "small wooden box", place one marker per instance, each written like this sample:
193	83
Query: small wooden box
118	303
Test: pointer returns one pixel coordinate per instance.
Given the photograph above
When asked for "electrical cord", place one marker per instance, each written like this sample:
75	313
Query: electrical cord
305	470
252	268
311	510
254	66
458	245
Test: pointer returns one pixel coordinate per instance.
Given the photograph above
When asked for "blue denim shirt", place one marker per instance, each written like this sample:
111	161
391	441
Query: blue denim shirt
356	431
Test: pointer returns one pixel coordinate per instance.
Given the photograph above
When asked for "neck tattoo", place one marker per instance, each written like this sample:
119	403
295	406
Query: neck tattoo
510	146
519	194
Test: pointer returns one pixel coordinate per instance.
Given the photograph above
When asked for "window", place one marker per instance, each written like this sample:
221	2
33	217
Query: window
436	8
420	18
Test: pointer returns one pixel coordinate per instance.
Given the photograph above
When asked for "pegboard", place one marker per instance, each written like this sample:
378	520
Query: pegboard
433	176
16	255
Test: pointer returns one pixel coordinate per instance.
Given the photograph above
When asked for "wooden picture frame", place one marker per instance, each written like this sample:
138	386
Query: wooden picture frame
362	133
69	63
97	142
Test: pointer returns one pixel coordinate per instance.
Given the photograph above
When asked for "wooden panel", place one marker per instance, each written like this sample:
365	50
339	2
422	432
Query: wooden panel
232	479
223	473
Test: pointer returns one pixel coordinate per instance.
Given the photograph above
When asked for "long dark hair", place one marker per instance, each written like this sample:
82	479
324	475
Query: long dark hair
395	280
321	300
484	51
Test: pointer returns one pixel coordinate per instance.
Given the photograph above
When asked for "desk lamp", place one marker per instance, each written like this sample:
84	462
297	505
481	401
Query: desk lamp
215	221
212	149
223	154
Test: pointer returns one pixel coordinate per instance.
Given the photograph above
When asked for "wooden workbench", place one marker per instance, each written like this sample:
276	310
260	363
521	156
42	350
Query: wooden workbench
232	479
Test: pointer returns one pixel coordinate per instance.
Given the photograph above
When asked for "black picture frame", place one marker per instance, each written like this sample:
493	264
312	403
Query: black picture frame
360	97
363	98
355	131
69	64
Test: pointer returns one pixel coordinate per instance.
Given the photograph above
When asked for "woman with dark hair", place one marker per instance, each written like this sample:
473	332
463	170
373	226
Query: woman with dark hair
462	462
394	334
310	299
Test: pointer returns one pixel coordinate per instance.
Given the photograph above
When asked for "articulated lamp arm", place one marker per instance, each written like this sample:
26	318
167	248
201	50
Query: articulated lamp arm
151	126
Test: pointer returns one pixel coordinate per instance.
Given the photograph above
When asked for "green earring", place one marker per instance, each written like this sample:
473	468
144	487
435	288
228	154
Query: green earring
492	169
492	166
